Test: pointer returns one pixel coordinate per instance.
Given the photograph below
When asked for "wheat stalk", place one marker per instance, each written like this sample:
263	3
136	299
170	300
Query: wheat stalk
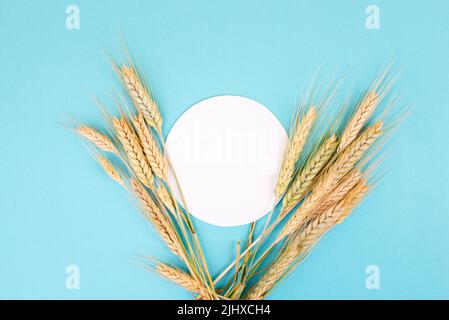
182	279
159	220
109	168
150	147
305	178
359	119
331	177
295	145
141	97
98	139
133	151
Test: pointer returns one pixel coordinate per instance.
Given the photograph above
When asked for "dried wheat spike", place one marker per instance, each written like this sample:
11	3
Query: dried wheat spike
305	178
354	201
110	169
141	97
182	279
98	139
348	182
332	216
159	220
151	149
359	119
347	159
293	151
302	242
134	152
166	199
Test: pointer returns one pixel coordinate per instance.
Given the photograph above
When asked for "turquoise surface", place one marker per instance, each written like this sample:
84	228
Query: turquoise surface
57	208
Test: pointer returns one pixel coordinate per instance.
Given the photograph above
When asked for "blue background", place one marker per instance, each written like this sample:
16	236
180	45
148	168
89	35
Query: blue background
58	208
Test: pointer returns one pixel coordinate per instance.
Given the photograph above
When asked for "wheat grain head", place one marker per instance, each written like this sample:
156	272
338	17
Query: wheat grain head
100	140
141	97
133	150
304	179
298	138
150	147
166	199
109	168
359	119
182	279
345	161
159	220
301	243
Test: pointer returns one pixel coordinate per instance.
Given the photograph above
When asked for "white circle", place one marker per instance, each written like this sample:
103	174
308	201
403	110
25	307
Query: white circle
226	152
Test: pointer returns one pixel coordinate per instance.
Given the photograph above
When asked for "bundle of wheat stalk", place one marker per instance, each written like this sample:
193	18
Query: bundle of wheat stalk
323	177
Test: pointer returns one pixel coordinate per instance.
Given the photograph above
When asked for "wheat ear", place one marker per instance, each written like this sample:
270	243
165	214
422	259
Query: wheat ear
141	97
133	151
354	200
182	279
98	139
151	148
302	242
109	168
305	178
347	183
332	176
275	272
166	199
295	145
359	119
332	216
159	220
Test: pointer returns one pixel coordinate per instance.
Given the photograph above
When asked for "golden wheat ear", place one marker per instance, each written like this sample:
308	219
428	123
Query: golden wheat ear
141	97
157	218
182	279
359	119
110	169
98	139
133	151
302	242
301	130
150	147
330	178
304	179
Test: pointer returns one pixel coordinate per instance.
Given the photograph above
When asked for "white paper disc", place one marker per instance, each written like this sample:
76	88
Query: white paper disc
226	151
